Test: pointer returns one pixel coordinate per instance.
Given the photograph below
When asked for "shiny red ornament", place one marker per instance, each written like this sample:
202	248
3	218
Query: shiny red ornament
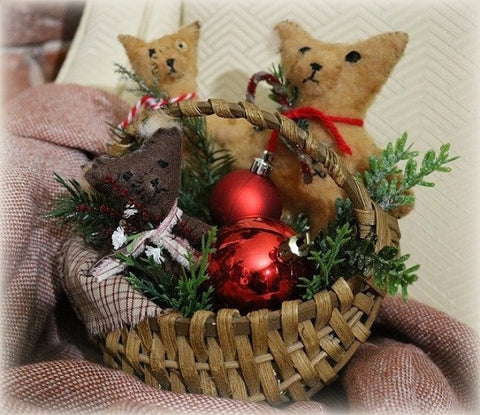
250	269
246	193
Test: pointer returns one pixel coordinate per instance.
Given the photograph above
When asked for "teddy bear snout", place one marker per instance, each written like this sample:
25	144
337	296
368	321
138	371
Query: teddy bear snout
315	68
171	65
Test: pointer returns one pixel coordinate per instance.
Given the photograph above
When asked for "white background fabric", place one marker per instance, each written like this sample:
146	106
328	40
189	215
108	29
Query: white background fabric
432	94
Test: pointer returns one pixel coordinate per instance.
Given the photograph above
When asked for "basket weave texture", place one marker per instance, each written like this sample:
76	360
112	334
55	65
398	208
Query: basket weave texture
274	356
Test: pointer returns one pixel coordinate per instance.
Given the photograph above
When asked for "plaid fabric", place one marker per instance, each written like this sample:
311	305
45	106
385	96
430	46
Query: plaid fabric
103	306
419	360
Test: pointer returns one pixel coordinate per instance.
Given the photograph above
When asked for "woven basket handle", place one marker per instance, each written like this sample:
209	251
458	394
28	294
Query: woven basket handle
370	217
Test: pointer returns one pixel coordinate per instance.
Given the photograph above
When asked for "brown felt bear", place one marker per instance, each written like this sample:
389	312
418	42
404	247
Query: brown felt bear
148	177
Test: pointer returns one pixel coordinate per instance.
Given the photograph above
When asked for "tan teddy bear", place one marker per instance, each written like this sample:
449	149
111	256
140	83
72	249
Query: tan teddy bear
339	81
168	63
168	66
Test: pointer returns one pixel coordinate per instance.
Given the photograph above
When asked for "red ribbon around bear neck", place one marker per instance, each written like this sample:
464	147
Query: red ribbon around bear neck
328	122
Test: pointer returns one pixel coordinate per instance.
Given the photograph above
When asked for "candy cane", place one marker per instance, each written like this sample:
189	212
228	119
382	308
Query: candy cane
147	101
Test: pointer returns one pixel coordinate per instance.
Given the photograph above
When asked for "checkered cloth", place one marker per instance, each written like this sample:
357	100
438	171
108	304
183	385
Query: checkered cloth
419	359
102	306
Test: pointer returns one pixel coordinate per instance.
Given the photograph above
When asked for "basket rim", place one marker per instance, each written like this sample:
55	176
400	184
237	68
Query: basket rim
241	324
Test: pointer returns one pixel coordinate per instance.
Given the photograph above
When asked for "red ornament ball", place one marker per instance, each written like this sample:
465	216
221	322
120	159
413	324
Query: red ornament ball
243	194
246	269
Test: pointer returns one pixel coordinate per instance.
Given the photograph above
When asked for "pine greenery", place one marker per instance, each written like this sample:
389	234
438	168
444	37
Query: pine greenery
150	278
140	87
204	168
284	94
391	273
90	214
339	251
389	185
192	292
326	255
186	293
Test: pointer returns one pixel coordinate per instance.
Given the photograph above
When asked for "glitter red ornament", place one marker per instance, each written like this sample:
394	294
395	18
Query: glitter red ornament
253	266
246	193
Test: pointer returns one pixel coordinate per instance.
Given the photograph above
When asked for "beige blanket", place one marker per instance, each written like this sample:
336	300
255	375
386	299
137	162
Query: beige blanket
419	359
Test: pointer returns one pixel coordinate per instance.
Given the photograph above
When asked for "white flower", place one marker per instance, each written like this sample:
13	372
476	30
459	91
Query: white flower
155	253
129	211
119	238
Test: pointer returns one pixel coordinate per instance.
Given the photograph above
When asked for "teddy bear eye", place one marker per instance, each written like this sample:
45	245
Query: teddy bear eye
181	45
304	49
353	56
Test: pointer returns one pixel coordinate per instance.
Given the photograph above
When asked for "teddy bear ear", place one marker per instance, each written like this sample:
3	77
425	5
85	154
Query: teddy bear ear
192	30
396	42
400	40
291	30
130	43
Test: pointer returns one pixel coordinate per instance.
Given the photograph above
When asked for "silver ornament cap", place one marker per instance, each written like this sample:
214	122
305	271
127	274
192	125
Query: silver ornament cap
262	165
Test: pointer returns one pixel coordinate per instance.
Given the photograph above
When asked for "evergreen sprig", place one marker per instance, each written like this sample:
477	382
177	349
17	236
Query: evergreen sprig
327	255
284	94
339	251
301	223
391	273
186	293
202	170
150	278
140	87
389	185
192	292
90	214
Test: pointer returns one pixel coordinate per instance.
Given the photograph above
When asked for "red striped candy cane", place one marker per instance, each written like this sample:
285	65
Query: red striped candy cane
147	101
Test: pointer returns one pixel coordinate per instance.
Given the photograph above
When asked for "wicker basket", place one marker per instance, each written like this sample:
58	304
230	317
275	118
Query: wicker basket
273	356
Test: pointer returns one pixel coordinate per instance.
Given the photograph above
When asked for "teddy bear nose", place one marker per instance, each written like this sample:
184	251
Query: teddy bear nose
315	66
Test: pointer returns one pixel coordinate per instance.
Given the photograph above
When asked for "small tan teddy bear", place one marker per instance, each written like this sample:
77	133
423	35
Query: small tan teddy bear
168	63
